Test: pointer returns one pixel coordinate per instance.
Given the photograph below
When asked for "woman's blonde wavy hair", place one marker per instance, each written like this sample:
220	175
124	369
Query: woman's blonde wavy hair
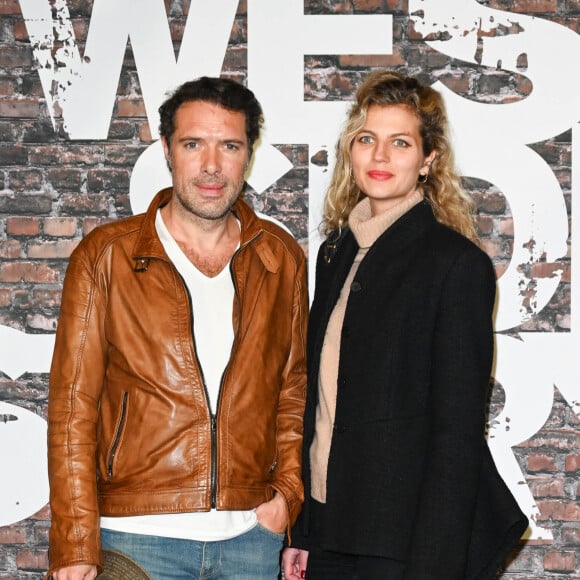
452	206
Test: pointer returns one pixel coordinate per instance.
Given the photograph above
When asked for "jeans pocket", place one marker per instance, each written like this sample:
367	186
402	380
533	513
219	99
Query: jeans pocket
271	533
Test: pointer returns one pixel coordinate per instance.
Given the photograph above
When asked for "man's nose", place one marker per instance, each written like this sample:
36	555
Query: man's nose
211	161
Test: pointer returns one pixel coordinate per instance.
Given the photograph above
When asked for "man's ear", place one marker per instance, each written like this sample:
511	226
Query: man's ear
165	147
166	152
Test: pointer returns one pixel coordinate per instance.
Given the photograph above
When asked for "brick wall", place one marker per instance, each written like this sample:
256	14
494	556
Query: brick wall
54	190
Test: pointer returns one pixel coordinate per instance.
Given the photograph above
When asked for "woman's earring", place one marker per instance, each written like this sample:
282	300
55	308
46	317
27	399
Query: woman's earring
423	177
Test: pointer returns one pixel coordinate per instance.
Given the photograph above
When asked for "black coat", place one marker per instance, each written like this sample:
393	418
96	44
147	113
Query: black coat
410	475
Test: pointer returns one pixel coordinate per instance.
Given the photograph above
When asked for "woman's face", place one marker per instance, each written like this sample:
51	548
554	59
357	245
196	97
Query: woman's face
387	156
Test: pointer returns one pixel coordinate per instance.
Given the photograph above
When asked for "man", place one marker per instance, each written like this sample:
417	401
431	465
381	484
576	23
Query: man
178	378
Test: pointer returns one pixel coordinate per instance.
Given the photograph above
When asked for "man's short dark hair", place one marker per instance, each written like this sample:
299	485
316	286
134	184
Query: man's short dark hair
226	93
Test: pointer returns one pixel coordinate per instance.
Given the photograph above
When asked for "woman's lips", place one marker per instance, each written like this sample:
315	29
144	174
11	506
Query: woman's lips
380	175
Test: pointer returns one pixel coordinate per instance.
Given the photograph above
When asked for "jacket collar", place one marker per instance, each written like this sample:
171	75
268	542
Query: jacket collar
408	228
148	244
339	250
402	232
251	232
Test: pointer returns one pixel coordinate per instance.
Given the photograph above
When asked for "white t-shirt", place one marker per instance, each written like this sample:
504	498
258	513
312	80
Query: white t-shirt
212	303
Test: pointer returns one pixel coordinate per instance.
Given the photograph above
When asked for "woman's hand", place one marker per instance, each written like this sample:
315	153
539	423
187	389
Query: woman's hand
294	563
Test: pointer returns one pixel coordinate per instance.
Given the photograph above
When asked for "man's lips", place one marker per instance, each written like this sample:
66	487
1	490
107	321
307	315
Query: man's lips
211	187
380	175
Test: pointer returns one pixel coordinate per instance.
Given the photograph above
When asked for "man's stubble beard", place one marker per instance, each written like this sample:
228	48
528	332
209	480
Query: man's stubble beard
213	213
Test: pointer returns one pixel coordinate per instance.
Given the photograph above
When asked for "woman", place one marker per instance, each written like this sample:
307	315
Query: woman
399	477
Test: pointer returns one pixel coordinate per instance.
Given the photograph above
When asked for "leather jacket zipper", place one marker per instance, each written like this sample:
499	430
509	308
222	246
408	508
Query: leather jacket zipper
213	461
213	420
117	438
214	447
213	417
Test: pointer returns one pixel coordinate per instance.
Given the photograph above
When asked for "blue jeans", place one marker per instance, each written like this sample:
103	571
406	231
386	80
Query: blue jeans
254	555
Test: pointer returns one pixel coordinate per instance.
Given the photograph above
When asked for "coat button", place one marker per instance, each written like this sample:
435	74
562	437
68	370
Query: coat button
355	286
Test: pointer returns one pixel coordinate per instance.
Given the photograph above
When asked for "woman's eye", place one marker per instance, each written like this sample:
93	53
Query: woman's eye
365	139
400	143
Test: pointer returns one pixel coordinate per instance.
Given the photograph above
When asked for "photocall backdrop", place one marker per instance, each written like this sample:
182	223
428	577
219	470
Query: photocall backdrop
80	85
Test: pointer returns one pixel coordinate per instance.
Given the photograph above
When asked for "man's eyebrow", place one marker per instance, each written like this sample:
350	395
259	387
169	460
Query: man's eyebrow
224	140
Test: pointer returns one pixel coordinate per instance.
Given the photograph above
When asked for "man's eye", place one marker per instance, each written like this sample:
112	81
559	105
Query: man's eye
232	146
191	145
401	143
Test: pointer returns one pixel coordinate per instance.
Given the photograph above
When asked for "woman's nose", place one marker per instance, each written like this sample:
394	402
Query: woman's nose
381	152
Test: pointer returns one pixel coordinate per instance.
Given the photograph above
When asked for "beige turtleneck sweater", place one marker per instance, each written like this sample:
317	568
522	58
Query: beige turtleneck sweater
366	229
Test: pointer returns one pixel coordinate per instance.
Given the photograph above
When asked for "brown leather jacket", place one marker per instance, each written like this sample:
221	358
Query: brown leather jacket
127	392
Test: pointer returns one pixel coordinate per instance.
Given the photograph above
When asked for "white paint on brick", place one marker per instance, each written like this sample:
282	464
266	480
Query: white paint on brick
22	352
24	463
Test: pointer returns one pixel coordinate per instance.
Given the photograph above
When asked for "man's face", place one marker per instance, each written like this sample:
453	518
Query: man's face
208	156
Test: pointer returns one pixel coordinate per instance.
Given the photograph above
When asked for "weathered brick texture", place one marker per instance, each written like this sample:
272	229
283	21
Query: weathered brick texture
53	191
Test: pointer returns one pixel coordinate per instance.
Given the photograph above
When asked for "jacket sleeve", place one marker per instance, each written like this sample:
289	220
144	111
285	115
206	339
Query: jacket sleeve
462	353
76	380
300	531
287	476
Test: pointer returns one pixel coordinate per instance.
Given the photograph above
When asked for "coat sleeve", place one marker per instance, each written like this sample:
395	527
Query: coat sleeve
462	353
300	537
76	380
287	476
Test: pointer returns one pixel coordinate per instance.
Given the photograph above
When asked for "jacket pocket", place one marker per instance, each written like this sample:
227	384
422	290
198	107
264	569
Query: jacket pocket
117	438
273	467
